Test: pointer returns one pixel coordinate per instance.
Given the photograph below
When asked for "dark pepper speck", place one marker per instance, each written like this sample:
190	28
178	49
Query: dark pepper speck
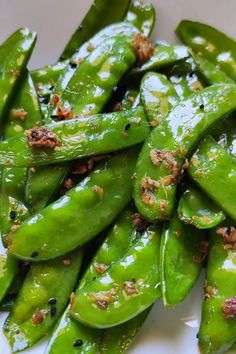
201	106
54	116
127	126
52	301
34	254
53	311
78	343
12	214
73	65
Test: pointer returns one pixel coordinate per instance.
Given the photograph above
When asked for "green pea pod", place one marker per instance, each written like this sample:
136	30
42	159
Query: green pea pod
41	300
38	190
218	325
100	15
126	289
14	55
181	260
210	72
170	143
184	78
68	331
104	193
158	96
8	270
81	137
197	209
142	15
210	43
210	163
163	57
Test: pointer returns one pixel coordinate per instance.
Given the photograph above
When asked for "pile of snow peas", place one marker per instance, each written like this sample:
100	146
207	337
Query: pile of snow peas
117	182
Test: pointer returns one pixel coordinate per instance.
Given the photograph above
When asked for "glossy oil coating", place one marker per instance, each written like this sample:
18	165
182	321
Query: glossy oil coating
217	332
81	214
101	14
32	316
14	56
181	260
170	143
210	43
81	137
210	163
142	15
106	301
158	96
197	209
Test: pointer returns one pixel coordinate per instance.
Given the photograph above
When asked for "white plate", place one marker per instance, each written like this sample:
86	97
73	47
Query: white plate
169	331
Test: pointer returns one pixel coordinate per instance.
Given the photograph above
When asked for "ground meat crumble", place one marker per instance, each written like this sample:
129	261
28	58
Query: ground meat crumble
143	47
42	138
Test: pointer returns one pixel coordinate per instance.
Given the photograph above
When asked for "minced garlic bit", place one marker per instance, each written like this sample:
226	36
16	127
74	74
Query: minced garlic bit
99	191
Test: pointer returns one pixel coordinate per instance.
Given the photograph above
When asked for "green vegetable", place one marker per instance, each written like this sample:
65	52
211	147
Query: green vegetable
41	300
158	96
181	260
218	323
126	289
197	209
210	43
169	144
210	163
14	55
142	15
78	138
101	14
96	201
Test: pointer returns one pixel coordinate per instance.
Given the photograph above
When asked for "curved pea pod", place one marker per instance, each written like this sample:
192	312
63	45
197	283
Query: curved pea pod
14	55
43	183
8	270
212	44
81	137
163	57
104	193
93	81
197	209
210	72
211	163
100	15
126	289
217	328
68	331
142	15
41	300
184	78
158	96
170	143
183	249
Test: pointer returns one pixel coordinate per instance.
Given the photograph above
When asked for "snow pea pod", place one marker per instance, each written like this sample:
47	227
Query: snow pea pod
142	15
92	83
197	209
125	289
210	163
210	43
100	15
163	57
158	96
181	260
104	193
210	72
41	300
8	270
42	185
169	144
218	322
14	55
80	137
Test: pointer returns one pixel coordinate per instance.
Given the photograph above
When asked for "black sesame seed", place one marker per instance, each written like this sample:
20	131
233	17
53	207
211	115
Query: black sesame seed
140	229
53	311
73	65
51	88
34	254
191	74
54	116
197	336
127	126
43	99
34	133
12	214
78	343
201	106
52	301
